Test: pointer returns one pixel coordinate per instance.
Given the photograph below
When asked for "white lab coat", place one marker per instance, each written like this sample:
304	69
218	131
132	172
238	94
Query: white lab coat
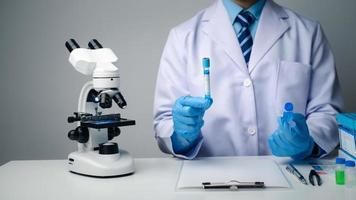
291	61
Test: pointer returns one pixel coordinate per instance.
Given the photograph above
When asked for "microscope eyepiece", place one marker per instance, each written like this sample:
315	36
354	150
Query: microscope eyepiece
94	44
71	44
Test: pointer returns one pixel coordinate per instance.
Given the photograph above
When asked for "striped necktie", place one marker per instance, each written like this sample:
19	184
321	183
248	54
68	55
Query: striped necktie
244	36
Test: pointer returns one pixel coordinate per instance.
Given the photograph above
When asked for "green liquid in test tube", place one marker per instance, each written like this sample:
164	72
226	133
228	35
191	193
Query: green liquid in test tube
340	171
340	177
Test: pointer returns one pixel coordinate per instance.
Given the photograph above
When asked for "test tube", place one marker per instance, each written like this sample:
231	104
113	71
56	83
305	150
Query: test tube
288	114
206	66
350	173
340	171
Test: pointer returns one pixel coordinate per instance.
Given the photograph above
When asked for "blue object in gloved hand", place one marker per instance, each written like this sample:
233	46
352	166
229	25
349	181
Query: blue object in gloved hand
188	115
292	137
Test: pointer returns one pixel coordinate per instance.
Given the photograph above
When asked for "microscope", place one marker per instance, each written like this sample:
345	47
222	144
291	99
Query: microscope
97	155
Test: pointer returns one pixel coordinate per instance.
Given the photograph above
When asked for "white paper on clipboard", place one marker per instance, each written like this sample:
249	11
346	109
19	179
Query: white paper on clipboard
224	169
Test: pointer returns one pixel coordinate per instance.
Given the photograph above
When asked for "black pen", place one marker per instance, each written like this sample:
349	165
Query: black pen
291	169
233	185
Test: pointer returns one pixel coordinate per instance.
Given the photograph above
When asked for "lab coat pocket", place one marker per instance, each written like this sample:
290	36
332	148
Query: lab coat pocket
293	82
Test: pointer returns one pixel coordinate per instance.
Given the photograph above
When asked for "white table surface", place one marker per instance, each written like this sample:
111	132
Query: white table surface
155	178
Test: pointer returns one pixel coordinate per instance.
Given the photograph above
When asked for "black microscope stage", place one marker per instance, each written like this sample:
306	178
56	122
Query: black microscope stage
100	121
107	123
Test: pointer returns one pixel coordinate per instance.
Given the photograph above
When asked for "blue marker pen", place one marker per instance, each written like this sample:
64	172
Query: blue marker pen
206	66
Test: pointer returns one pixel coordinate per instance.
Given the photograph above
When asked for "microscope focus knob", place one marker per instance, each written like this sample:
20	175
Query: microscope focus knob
73	135
80	134
108	148
113	132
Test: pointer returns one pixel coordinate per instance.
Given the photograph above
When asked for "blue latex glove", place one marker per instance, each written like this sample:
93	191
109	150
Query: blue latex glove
188	115
292	138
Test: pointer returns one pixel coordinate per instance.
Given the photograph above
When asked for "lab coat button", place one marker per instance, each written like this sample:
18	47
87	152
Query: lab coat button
247	83
252	131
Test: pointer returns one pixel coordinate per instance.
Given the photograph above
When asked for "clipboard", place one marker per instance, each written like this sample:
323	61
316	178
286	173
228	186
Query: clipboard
245	172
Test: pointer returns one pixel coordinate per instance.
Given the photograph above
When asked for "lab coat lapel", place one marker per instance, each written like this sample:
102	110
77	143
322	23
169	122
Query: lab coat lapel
272	26
219	28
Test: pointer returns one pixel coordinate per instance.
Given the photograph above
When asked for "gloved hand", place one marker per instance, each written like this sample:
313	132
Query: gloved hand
188	115
292	138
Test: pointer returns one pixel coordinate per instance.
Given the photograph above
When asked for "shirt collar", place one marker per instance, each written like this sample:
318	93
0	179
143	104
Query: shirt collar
233	9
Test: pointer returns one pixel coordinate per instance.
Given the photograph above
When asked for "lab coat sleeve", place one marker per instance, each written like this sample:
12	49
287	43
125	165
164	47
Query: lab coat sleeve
171	84
325	99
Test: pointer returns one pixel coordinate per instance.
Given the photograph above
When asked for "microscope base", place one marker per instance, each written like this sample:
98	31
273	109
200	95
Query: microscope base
92	163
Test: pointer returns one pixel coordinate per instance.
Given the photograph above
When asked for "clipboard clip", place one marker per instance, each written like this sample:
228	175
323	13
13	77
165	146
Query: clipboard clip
233	185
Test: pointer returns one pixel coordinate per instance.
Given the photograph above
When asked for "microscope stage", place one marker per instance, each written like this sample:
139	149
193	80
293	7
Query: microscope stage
99	124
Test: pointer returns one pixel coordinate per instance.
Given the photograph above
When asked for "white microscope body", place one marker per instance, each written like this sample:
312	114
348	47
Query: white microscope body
96	155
